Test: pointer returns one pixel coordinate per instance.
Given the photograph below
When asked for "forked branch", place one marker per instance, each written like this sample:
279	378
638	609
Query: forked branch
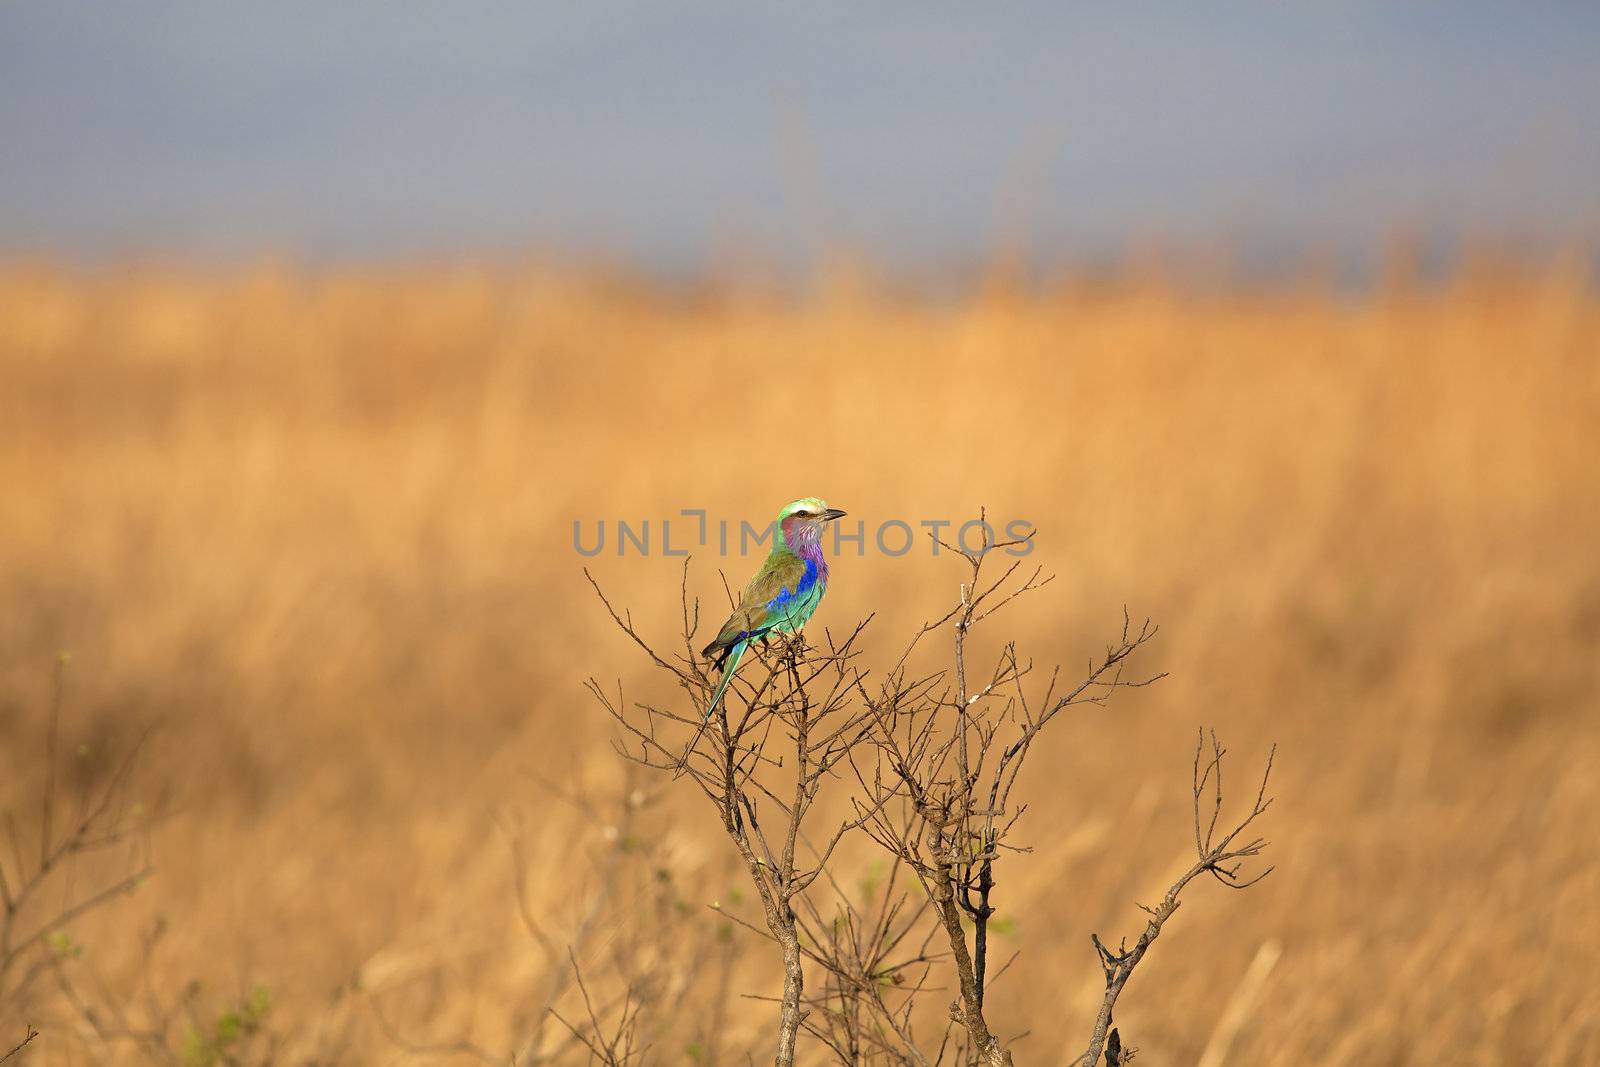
1219	856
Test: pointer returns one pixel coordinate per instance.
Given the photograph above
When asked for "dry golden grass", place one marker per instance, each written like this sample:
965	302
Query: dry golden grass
319	529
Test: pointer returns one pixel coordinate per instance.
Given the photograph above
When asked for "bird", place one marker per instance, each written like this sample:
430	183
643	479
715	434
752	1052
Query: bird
784	593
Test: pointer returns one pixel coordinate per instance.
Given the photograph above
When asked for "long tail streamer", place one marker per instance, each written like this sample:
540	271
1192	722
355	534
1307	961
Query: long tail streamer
734	656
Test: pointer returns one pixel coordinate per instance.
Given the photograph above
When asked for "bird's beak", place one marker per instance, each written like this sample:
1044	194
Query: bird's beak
831	514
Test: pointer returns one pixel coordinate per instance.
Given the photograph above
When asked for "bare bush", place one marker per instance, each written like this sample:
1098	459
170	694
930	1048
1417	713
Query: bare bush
39	893
934	756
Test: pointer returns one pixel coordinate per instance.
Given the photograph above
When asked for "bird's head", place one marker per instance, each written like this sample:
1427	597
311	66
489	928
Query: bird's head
802	520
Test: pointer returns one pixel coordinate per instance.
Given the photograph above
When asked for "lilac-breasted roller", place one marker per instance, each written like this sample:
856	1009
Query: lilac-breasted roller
784	592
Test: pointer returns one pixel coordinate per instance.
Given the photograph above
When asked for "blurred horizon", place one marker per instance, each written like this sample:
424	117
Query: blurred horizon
676	143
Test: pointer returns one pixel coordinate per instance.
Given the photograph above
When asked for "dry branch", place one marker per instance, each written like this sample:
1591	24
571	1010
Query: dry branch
936	757
1219	857
100	823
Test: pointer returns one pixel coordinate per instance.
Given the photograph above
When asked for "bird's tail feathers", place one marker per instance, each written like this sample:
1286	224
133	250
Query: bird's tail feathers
732	656
731	664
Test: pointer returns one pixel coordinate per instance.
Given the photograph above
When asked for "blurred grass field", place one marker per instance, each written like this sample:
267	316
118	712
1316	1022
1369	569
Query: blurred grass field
317	529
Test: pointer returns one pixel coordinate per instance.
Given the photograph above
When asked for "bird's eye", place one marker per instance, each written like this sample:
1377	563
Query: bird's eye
803	514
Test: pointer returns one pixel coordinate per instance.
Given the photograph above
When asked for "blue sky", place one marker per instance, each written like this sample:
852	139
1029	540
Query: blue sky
660	133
